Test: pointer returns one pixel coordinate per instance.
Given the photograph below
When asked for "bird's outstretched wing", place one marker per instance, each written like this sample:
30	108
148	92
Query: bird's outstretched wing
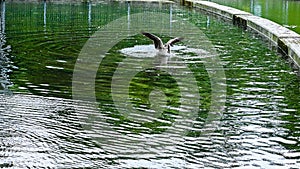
157	41
172	41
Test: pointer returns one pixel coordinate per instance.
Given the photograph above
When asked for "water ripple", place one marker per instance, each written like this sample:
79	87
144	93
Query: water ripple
259	128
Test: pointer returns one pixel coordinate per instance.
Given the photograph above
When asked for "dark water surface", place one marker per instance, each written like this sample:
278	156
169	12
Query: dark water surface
162	120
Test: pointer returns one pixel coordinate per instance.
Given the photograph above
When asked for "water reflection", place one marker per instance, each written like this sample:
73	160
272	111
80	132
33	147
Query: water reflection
45	14
40	127
255	8
5	67
2	20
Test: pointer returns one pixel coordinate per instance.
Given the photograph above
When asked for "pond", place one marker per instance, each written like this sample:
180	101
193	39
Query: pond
81	87
284	12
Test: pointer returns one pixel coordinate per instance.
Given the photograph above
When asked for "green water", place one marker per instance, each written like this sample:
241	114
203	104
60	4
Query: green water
42	126
284	12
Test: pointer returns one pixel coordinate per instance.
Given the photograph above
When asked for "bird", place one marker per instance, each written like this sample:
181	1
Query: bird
158	43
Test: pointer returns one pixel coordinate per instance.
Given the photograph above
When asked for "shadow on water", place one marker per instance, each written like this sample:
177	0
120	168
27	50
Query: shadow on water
41	126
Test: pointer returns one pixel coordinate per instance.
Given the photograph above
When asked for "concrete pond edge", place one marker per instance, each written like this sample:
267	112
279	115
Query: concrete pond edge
285	41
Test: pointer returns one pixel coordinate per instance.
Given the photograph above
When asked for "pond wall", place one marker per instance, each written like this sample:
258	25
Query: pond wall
285	41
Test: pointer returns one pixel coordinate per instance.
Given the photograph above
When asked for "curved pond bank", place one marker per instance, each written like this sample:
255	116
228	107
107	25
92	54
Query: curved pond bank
287	42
